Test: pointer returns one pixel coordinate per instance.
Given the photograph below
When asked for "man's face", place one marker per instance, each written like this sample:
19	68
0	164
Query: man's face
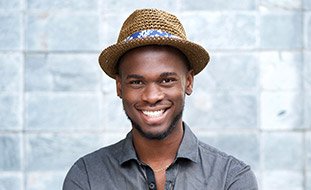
152	83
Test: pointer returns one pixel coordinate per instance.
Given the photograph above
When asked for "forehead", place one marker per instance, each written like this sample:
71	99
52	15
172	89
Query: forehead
153	58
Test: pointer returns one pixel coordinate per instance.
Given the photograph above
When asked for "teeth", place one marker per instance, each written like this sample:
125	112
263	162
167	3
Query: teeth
153	113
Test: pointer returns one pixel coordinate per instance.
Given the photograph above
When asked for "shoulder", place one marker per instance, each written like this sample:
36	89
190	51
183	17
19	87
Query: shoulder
237	174
102	153
214	153
86	168
98	157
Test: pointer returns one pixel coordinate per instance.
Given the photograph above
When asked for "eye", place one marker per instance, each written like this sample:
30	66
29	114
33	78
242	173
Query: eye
168	80
136	82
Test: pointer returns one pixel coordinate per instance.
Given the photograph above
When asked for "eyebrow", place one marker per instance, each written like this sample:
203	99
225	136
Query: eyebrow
165	74
134	76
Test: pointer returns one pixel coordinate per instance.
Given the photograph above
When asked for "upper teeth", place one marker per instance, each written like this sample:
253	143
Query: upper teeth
153	113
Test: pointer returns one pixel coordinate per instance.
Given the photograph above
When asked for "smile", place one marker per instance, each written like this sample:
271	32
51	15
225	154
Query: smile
153	114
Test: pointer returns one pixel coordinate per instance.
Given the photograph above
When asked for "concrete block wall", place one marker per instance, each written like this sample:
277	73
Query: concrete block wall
252	101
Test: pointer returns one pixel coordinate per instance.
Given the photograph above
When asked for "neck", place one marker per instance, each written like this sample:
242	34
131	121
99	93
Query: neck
157	153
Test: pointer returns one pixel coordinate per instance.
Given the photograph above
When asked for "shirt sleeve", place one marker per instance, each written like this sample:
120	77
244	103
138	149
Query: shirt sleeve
77	178
241	177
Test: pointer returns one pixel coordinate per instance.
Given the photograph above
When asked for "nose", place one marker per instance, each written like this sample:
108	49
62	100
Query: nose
152	94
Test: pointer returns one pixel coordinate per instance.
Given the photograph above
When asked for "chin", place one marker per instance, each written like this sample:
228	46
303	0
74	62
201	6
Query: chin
156	135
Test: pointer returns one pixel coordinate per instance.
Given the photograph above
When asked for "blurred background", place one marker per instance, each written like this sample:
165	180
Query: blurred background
252	101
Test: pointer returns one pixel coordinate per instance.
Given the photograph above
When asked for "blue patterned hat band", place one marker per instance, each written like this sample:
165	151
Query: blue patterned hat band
149	33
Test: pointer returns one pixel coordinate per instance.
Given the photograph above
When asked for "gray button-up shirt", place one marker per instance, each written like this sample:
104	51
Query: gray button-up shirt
197	166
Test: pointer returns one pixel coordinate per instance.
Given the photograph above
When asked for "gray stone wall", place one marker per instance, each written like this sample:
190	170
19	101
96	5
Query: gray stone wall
253	100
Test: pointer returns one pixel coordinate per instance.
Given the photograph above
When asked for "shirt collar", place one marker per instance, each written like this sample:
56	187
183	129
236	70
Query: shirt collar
188	148
127	150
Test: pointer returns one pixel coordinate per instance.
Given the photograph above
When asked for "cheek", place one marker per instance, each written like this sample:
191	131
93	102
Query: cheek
177	94
130	97
128	106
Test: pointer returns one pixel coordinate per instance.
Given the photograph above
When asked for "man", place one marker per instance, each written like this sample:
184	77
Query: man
154	66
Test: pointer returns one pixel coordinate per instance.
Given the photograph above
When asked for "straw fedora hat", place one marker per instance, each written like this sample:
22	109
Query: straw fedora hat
152	27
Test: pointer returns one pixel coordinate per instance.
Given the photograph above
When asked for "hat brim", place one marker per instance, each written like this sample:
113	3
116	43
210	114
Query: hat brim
196	54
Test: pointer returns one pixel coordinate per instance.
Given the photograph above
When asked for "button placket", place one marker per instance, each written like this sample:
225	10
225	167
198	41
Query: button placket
150	178
152	186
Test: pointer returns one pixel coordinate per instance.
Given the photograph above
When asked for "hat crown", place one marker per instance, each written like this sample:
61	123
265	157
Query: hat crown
151	19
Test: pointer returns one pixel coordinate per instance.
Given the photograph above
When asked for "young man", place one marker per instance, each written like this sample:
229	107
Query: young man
154	66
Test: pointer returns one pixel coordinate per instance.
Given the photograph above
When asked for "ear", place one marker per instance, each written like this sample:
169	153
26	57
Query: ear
119	86
189	82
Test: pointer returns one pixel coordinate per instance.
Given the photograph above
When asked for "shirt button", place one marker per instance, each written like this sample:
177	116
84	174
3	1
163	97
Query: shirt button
151	185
